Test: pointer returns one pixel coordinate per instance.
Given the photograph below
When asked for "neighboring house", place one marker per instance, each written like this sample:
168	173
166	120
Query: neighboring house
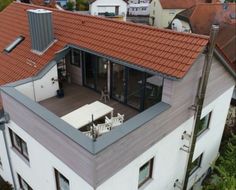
152	76
48	3
138	1
162	12
199	19
112	9
138	9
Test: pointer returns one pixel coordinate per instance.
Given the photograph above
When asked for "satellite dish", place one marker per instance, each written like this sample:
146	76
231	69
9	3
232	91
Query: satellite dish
177	25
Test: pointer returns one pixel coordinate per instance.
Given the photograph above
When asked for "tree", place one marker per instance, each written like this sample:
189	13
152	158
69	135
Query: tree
225	169
82	5
70	5
232	1
5	185
4	4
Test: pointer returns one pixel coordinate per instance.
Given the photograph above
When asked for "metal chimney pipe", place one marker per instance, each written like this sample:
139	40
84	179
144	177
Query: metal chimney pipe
200	99
41	29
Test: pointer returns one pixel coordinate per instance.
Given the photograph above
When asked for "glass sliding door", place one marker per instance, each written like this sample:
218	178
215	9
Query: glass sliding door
153	90
134	88
102	69
90	70
118	85
95	72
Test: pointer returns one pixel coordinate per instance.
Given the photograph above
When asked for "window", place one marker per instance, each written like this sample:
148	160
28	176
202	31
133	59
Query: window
195	164
75	58
203	124
145	172
15	43
62	183
23	184
19	144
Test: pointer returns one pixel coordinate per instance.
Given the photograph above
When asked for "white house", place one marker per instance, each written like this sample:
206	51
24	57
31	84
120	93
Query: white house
138	1
58	132
162	12
114	8
138	9
198	19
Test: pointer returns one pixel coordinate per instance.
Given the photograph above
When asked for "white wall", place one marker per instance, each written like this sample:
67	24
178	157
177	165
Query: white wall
180	26
162	17
41	89
39	171
103	4
209	141
170	161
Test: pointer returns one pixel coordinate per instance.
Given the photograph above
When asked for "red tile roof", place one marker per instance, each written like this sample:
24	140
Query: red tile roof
201	18
163	51
51	3
180	4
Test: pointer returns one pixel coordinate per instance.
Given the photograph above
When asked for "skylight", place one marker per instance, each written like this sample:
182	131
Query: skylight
15	43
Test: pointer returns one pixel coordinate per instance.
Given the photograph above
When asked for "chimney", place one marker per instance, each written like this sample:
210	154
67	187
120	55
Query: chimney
41	29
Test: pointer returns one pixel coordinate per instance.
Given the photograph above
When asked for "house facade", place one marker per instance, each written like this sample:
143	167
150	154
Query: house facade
224	14
141	9
162	12
116	8
154	88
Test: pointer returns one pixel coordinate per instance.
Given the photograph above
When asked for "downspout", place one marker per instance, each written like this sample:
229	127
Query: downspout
200	99
33	88
5	119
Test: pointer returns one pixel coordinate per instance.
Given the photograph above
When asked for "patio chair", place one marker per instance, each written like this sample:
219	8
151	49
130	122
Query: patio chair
105	95
102	128
115	121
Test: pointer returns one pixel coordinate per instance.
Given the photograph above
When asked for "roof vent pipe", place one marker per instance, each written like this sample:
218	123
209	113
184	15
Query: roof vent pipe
200	97
41	29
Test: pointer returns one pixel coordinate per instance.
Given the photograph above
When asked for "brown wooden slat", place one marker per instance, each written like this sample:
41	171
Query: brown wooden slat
77	96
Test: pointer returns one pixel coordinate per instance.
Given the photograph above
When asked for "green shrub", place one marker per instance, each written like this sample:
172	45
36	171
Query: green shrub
4	4
5	185
224	177
70	6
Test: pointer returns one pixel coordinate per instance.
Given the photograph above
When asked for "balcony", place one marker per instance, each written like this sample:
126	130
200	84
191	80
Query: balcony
85	76
76	96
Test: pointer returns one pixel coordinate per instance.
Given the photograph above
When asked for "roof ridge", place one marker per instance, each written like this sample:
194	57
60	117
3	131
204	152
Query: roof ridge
116	21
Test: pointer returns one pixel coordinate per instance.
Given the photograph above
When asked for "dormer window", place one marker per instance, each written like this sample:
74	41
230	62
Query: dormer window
13	45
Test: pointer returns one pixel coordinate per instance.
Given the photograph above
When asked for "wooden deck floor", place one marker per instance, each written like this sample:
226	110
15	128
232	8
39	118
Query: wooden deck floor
77	96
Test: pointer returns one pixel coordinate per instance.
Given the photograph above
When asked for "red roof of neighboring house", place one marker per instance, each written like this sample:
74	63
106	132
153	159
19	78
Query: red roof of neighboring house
52	3
202	16
180	4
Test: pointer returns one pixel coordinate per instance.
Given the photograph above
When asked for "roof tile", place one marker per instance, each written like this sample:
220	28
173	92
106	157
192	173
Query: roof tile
158	50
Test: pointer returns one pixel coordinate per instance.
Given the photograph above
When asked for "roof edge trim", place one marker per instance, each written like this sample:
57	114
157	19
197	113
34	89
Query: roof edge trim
119	61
